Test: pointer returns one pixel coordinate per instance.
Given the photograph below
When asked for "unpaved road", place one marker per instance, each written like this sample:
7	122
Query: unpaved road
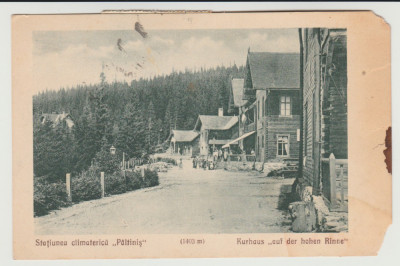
186	201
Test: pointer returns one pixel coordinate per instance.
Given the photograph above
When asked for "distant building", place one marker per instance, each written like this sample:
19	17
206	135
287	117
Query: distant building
216	131
272	110
184	142
238	106
236	96
57	118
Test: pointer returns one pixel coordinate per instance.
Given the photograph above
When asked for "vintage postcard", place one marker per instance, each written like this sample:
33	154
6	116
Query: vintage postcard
200	134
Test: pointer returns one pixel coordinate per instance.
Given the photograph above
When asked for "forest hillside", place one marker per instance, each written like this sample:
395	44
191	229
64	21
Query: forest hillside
134	117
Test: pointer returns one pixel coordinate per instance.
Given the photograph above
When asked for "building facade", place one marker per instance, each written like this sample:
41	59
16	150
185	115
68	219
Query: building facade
272	88
215	131
325	107
184	142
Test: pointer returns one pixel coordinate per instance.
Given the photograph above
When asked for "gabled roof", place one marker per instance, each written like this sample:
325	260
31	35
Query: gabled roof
215	122
237	91
184	135
274	70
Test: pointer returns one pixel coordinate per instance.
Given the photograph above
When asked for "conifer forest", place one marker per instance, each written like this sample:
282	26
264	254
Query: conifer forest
135	118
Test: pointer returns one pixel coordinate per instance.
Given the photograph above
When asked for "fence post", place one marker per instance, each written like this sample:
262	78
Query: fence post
68	184
142	172
332	179
341	186
102	183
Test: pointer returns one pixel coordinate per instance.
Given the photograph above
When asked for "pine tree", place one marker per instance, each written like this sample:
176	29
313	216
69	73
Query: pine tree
131	135
168	120
107	162
85	134
152	128
53	154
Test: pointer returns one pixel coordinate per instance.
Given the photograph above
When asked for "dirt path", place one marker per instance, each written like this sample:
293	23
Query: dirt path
186	201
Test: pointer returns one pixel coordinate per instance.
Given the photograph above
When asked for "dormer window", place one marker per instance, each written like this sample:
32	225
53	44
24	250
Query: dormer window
285	106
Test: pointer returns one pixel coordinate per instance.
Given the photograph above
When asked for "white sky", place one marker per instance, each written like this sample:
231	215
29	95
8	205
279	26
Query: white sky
65	59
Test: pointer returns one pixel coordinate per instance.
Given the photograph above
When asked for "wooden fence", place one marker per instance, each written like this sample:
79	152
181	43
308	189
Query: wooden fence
334	179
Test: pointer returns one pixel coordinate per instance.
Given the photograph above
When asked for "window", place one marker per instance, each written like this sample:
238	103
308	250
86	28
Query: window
258	109
285	106
283	145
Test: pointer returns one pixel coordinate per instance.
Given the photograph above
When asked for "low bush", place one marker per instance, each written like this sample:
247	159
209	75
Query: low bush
85	187
114	184
48	196
134	180
150	178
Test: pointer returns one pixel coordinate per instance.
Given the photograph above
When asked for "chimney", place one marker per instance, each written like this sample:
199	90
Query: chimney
221	111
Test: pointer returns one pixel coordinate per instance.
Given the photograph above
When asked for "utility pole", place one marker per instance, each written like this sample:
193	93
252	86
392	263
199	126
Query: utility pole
300	169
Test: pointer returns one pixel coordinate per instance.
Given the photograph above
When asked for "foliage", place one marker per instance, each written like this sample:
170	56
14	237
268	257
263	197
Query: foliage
150	178
134	180
167	160
135	118
86	186
114	184
107	162
48	196
53	153
131	135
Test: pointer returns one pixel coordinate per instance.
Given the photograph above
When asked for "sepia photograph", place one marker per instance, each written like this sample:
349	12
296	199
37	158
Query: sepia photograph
190	131
181	135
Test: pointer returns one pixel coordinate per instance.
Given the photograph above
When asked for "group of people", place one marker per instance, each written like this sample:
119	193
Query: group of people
217	155
185	150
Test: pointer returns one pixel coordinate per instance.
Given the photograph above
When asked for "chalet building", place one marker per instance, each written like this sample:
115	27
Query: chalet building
57	118
238	106
325	114
236	96
216	131
273	107
184	142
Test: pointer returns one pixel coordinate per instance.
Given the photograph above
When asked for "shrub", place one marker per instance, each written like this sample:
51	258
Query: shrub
86	187
114	183
150	178
167	160
133	180
107	162
48	196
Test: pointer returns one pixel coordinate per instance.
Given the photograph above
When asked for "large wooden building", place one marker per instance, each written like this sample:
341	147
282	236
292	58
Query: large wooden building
325	112
273	107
